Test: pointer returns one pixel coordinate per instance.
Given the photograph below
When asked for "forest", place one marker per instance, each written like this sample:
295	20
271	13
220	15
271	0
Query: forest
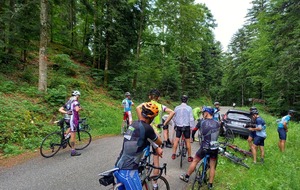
135	45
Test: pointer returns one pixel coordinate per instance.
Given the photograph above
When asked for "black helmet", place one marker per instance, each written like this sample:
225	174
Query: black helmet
254	112
154	92
184	98
291	111
252	108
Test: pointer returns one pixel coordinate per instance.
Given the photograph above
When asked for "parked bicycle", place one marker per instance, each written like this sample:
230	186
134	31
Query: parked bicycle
182	149
54	141
145	169
242	151
230	156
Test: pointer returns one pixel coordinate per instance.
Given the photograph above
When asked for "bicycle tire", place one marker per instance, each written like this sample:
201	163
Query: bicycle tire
199	180
162	183
84	141
51	144
236	160
229	136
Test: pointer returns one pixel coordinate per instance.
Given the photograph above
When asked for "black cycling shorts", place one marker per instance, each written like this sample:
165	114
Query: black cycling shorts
213	154
186	131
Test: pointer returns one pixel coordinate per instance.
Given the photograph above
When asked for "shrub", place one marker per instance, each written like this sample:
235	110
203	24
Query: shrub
65	65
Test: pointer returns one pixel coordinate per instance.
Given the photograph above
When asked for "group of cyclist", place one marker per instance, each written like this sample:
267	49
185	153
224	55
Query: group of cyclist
150	125
183	117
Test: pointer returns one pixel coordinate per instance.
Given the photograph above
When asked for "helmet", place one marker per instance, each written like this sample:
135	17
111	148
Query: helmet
76	93
208	109
149	110
252	108
291	111
184	98
254	112
216	103
127	93
154	92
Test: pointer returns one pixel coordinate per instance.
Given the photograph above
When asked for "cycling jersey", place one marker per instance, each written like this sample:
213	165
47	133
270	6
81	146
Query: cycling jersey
74	120
209	131
260	123
285	119
158	119
135	141
127	104
196	113
216	115
183	116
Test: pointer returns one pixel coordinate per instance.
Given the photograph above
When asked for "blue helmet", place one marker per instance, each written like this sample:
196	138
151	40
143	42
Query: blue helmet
208	109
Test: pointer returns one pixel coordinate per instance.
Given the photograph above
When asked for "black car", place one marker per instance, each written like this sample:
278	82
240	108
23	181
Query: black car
237	120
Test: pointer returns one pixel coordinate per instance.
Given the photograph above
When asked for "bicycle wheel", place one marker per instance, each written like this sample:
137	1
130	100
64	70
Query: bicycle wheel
51	144
199	179
229	136
162	183
82	140
236	160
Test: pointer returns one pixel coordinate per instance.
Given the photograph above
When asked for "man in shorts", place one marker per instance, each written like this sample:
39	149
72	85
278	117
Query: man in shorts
252	134
210	133
283	129
184	121
127	103
135	141
260	136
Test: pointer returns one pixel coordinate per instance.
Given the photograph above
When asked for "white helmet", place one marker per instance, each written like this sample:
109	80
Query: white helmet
127	94
76	93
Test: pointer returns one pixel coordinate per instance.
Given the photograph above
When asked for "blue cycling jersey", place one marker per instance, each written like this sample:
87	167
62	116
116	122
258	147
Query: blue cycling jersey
127	104
285	119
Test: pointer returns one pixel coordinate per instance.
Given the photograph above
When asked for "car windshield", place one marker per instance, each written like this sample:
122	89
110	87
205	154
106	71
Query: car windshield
239	117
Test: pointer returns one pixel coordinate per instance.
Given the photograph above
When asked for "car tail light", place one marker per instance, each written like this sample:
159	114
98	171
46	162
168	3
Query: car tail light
225	117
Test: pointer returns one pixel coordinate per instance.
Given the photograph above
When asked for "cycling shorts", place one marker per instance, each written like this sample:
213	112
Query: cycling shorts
129	178
185	130
282	133
252	134
213	154
127	115
259	141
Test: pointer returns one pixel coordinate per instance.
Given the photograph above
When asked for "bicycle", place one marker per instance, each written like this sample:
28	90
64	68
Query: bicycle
84	125
230	156
242	151
145	169
182	149
201	173
54	141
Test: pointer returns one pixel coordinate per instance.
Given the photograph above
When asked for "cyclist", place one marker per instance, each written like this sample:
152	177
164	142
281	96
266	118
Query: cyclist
71	110
127	103
283	129
252	134
184	120
217	115
157	124
260	136
135	141
210	133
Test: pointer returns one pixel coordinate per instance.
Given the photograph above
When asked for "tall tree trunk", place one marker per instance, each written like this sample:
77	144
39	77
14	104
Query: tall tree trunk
43	47
138	47
105	82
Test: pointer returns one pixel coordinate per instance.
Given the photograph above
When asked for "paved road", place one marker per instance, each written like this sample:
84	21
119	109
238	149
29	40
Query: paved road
80	173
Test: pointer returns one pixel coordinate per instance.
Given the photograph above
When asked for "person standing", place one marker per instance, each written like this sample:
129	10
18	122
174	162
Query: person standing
252	124
260	136
210	132
184	121
135	141
217	115
283	129
196	114
74	119
127	103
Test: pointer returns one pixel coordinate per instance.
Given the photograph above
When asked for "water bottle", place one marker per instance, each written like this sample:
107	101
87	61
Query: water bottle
68	136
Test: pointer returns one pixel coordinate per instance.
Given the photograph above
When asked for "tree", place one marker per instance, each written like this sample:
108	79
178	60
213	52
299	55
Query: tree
43	47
